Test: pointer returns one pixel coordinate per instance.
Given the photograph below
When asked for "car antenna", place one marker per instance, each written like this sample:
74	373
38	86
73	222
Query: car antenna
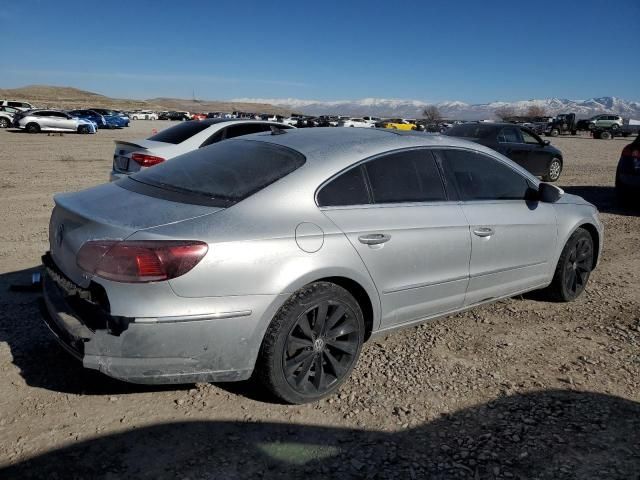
275	130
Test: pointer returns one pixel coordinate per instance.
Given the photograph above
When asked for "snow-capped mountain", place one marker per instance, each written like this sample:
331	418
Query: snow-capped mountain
383	107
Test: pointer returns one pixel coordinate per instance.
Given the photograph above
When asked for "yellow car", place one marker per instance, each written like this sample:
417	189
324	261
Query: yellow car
398	124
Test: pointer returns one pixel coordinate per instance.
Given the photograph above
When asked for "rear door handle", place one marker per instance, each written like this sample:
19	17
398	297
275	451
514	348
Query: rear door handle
483	231
374	238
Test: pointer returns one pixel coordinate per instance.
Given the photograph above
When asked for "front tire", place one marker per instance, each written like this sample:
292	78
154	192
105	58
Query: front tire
554	171
312	344
554	132
606	135
573	269
83	130
4	122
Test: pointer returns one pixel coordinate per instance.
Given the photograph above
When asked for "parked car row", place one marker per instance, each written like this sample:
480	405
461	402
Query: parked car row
36	121
49	120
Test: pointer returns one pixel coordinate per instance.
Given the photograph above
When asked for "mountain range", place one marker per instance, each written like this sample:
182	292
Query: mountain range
69	97
381	107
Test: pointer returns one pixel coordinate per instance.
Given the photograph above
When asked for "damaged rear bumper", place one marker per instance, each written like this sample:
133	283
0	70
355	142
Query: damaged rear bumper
216	347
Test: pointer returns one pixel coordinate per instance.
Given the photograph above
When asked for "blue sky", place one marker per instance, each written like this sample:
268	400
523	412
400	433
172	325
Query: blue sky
474	51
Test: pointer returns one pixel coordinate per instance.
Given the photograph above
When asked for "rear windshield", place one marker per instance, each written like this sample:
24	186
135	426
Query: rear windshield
180	133
474	130
224	173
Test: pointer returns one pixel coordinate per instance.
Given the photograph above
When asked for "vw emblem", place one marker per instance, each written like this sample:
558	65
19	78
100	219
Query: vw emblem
59	234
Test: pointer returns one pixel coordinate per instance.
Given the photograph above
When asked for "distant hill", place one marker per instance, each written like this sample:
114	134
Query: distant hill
69	97
217	106
382	107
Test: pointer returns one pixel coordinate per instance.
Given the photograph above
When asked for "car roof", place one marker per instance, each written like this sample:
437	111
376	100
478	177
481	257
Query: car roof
343	146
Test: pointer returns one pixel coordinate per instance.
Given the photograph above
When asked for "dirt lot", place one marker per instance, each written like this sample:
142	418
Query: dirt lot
520	389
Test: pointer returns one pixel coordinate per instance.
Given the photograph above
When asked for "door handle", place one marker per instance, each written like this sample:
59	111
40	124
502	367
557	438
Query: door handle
374	238
483	231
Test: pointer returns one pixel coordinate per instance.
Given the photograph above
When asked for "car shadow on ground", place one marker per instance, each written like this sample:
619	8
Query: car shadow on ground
605	199
559	434
41	361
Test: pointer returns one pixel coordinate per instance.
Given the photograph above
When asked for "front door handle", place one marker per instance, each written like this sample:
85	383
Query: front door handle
483	231
374	238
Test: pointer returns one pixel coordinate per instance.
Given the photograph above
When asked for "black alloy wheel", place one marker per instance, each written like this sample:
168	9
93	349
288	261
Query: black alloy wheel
578	266
321	347
312	343
573	268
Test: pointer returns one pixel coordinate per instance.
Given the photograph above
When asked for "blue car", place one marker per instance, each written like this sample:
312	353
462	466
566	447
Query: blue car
90	115
113	118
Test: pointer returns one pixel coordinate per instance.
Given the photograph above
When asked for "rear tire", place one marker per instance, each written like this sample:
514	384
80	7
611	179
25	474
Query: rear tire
554	171
312	344
573	269
32	128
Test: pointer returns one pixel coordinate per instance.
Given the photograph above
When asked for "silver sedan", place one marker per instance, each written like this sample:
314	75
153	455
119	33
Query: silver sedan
284	252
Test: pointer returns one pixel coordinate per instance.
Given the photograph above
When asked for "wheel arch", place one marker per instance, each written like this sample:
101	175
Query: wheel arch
595	236
361	296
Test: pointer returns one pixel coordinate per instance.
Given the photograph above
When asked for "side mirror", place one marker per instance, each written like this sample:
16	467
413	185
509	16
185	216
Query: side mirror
549	193
546	142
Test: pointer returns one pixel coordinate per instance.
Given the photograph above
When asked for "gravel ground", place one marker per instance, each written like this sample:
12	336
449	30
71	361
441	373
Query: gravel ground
518	389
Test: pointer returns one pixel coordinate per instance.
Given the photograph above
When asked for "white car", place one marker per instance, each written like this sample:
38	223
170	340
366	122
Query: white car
372	120
131	157
22	106
292	120
144	115
36	121
6	119
357	122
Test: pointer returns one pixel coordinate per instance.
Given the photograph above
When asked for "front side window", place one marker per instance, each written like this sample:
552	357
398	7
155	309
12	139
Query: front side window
530	138
410	176
480	177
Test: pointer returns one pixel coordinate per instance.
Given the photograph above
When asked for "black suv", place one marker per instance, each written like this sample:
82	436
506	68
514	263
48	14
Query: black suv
518	143
628	172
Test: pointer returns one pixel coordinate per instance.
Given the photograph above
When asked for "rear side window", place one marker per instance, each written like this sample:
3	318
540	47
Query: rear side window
347	189
410	176
224	173
179	133
479	177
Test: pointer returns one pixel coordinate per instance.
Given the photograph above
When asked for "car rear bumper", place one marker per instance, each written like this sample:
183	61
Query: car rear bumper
219	347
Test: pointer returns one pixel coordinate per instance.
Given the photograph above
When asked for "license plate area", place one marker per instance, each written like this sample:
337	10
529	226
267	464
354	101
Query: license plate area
120	162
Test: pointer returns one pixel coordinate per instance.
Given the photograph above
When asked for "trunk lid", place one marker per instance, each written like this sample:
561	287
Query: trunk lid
122	161
107	212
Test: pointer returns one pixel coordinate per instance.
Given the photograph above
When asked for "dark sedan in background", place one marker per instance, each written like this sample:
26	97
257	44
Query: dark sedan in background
628	173
517	143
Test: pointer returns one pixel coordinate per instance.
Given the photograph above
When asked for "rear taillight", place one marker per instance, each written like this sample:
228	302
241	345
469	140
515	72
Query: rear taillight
146	160
632	151
140	260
